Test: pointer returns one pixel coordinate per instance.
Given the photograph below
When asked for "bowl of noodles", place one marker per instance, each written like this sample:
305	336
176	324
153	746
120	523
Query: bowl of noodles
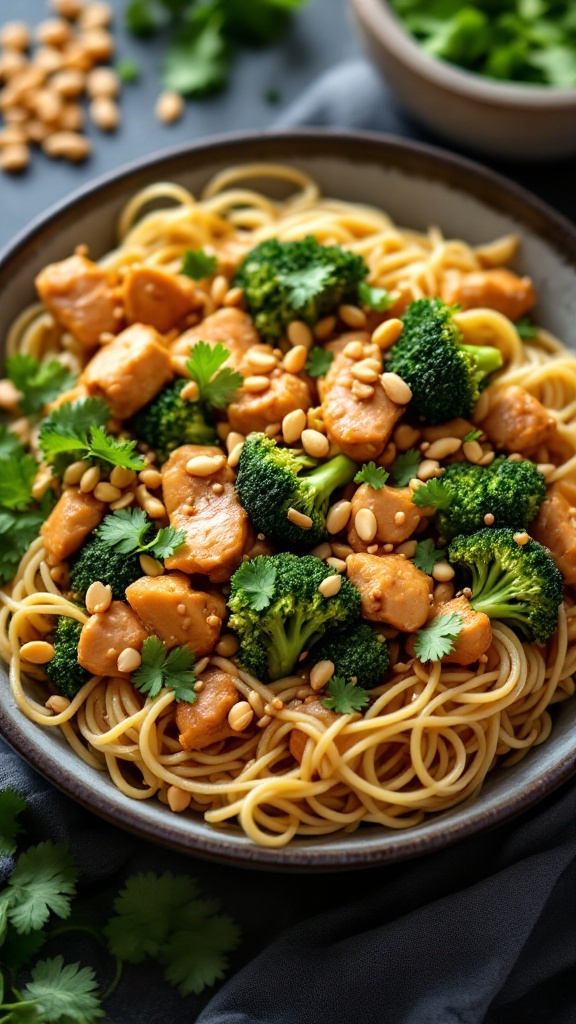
267	669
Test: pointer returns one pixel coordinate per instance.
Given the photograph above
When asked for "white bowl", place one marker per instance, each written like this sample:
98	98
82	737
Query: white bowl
498	118
418	186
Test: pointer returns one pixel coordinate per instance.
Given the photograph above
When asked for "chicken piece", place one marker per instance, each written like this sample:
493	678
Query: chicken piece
497	289
72	519
206	721
393	590
396	515
80	296
474	638
130	371
232	327
106	635
516	421
216	525
360	427
555	527
250	411
299	739
151	296
172	610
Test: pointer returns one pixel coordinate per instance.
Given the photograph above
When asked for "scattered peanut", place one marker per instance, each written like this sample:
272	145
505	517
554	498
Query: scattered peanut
37	652
14	158
151	566
121	477
315	444
205	465
89	479
240	716
105	114
321	674
98	597
105	491
178	799
299	519
67	144
444	447
366	525
396	388
387	333
295	360
129	660
227	646
103	82
256	383
443	572
57	704
352	316
299	334
169	107
330	586
338	516
293	424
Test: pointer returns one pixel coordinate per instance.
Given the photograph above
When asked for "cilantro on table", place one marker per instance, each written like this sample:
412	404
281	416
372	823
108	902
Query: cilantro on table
203	36
345	698
38	383
520	41
217	384
472	435
426	555
128	70
159	918
125	531
197	263
319	361
405	467
437	640
257	579
432	493
161	668
374	298
373	475
77	429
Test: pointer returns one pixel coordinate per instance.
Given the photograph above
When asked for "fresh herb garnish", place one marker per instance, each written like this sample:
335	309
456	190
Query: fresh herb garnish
125	531
16	478
426	555
319	361
345	698
128	70
161	668
472	435
437	640
432	493
197	264
77	428
10	444
526	329
405	467
373	475
11	807
18	530
217	384
38	383
257	579
304	285
374	298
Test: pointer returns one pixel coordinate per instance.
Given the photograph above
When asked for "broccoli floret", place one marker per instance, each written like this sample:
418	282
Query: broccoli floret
511	491
444	375
278	611
272	479
303	280
63	670
98	561
517	583
359	652
169	421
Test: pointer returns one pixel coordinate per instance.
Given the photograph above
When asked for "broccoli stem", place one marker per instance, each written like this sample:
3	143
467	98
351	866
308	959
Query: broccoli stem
290	638
486	358
496	603
326	478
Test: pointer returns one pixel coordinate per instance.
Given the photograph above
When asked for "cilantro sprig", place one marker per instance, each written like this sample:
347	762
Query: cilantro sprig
217	384
161	668
345	698
78	429
125	531
20	515
12	806
197	264
373	475
304	285
374	298
405	467
319	361
426	555
433	493
38	383
257	580
438	639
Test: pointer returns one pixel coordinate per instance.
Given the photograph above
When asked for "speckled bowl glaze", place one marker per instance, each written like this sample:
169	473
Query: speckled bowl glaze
417	185
499	118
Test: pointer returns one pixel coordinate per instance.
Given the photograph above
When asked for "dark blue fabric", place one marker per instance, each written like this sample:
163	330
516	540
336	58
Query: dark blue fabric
482	933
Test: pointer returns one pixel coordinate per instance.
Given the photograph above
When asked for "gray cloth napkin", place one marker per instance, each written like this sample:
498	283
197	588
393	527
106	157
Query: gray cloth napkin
482	933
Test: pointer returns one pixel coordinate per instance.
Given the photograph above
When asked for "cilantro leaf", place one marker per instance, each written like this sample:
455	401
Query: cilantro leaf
167	541
196	263
432	493
257	580
405	467
11	805
111	449
10	444
145	18
374	298
195	953
472	435
16	479
304	285
319	362
74	419
345	698
427	554
17	531
198	60
43	881
127	70
217	383
373	475
437	640
159	669
18	950
38	383
60	435
125	530
144	912
526	329
64	992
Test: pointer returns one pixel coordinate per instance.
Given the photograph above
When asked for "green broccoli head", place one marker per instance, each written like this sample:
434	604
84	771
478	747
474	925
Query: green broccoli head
444	375
359	651
98	561
303	280
278	612
511	491
272	479
169	421
66	675
516	583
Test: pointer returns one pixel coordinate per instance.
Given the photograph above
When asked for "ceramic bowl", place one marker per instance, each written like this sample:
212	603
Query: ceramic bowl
497	118
417	185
